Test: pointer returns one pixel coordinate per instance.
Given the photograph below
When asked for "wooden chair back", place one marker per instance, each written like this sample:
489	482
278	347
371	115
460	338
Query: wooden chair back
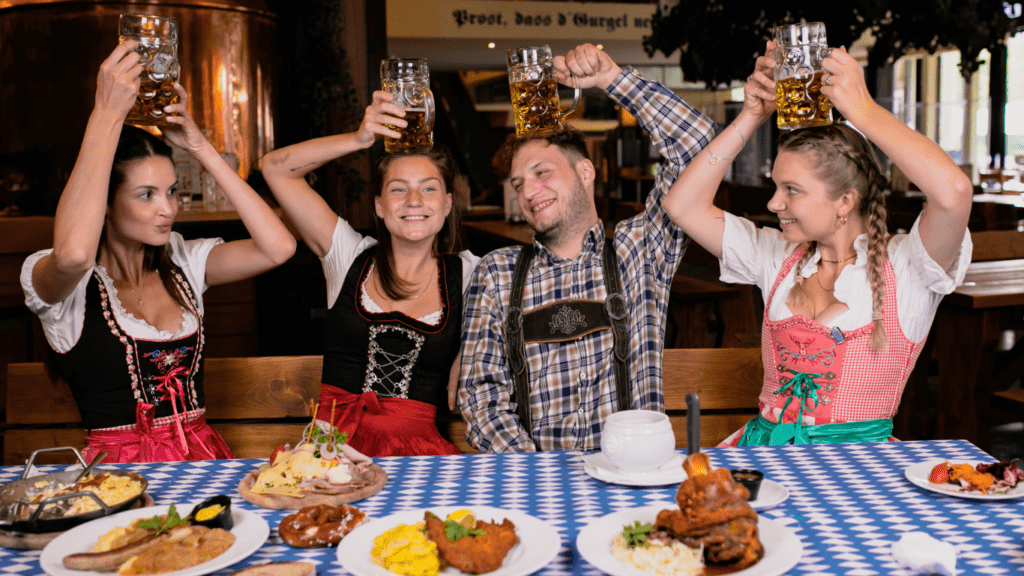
997	245
728	381
255	403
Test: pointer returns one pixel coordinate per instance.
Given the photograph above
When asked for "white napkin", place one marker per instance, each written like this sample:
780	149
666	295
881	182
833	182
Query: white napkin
924	554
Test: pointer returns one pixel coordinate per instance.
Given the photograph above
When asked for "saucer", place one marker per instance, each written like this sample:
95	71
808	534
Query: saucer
769	496
671	472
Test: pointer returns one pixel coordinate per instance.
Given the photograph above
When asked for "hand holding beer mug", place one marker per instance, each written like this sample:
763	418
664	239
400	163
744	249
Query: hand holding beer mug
408	81
157	37
531	78
799	50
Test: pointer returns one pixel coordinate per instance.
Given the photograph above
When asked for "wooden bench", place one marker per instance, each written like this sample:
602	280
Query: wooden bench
258	403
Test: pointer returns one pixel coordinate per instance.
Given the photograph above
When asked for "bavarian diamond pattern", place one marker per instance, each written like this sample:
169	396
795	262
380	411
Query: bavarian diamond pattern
848	503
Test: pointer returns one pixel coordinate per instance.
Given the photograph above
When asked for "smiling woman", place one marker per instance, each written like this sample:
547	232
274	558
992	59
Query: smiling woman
394	320
120	295
837	349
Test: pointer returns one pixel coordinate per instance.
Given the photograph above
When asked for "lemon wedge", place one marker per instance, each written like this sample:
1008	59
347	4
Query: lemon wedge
464	517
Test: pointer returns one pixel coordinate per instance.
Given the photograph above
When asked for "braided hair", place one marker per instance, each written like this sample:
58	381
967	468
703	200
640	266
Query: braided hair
847	160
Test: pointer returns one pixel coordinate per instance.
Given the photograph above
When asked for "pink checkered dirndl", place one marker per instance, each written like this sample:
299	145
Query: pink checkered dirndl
855	384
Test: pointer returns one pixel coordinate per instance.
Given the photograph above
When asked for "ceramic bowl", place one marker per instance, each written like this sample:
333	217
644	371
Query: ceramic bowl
751	479
638	440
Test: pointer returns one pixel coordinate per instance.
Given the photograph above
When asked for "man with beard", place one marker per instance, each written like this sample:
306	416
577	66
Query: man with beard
563	332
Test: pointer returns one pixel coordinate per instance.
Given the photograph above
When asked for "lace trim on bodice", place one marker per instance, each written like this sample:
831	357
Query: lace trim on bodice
433	319
188	320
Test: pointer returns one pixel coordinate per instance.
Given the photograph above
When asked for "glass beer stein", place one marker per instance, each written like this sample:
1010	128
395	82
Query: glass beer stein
531	78
799	50
158	47
408	80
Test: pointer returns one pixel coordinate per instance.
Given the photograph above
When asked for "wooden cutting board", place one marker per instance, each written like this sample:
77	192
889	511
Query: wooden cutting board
378	478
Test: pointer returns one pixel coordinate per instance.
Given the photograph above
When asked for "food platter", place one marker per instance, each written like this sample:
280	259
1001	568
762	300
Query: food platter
782	548
538	545
377	479
250	531
919	473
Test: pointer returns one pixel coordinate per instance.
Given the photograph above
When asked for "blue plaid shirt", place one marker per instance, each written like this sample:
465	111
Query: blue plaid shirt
572	384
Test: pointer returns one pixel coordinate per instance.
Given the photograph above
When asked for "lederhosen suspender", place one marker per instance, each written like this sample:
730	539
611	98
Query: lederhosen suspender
563	321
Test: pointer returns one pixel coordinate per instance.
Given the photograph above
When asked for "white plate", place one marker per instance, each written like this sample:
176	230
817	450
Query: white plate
770	495
671	472
538	541
919	473
782	549
250	531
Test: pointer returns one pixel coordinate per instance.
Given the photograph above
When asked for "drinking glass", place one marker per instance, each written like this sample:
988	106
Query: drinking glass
799	50
158	47
531	78
408	80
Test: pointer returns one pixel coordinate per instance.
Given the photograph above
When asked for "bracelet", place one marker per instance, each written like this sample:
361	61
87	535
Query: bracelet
715	159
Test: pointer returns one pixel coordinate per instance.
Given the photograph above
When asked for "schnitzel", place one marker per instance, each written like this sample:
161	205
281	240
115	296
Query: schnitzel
474	553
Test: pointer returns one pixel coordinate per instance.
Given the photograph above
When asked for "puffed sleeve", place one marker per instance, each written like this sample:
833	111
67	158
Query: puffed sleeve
346	244
751	255
62	322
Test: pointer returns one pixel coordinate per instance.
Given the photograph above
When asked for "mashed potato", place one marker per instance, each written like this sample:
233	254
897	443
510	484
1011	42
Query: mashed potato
676	559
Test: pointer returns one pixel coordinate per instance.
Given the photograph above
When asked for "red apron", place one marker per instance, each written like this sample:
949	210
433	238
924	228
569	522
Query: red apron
820	376
170	439
384	426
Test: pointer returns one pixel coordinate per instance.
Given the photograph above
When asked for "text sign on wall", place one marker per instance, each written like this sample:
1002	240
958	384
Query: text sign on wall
491	19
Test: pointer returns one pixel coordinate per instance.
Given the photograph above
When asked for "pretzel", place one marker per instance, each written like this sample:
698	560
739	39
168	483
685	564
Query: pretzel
319	526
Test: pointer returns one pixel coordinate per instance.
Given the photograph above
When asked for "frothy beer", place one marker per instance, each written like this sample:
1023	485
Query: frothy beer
416	136
535	105
801	103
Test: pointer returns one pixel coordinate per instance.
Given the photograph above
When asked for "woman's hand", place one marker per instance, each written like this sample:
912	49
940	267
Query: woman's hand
379	115
843	83
183	131
759	91
117	86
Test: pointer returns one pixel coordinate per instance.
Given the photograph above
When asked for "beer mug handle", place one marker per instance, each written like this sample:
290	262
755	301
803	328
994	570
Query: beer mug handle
428	112
575	95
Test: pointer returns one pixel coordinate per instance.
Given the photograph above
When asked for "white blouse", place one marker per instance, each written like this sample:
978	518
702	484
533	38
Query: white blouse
754	256
347	244
63	322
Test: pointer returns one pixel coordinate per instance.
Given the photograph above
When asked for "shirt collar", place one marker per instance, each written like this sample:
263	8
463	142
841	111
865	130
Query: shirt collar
592	242
860	245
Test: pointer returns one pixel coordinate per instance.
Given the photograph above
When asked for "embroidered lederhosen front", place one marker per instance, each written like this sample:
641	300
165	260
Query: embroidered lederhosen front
564	321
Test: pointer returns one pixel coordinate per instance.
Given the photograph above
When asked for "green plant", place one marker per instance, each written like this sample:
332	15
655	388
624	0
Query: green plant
720	39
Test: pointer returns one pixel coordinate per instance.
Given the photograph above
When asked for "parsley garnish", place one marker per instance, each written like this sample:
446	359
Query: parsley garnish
453	531
161	525
636	535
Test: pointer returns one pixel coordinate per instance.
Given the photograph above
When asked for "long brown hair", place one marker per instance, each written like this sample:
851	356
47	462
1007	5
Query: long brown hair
444	242
137	144
846	160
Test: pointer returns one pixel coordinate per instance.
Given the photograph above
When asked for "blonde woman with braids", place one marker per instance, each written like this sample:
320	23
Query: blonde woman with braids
848	307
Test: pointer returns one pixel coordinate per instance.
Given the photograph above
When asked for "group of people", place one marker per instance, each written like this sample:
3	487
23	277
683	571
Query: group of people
534	345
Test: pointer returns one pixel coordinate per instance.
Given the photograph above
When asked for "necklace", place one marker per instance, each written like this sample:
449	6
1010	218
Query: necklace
817	277
839	261
131	289
380	289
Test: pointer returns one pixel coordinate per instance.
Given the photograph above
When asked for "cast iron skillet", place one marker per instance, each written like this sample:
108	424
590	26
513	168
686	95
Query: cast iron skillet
16	515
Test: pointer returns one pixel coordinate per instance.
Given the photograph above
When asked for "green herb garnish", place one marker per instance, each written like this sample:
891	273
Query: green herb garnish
454	531
161	525
636	535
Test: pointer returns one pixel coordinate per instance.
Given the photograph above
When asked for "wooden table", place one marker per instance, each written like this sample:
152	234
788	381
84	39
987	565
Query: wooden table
694	302
968	329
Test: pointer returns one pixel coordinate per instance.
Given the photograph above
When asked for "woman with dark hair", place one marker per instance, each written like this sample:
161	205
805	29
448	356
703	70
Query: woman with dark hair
394	320
848	307
120	294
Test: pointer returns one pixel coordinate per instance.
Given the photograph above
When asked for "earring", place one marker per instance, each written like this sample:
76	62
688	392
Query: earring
842	220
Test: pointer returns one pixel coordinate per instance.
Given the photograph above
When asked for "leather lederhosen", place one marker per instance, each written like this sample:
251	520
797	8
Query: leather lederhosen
560	322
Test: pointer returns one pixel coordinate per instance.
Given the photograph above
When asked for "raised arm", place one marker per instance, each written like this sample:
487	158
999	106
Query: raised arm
83	204
689	202
947	188
270	244
285	171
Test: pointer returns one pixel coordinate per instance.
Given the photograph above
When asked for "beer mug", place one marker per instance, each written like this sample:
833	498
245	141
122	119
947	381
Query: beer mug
531	78
408	80
158	48
799	50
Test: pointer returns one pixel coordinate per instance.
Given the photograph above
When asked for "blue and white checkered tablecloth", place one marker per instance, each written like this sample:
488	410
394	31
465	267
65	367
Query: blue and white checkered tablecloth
848	503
